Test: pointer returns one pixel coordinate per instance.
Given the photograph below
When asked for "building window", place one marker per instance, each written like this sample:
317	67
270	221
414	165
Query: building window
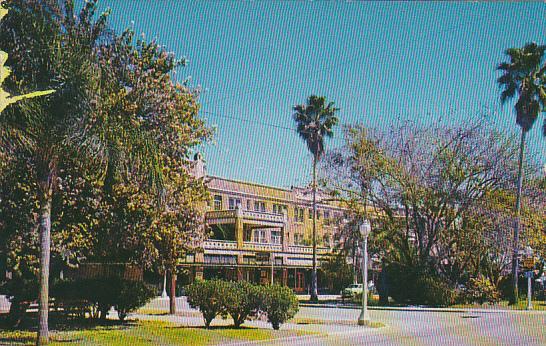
278	208
217	202
298	214
248	204
234	202
326	217
260	236
310	214
276	237
259	206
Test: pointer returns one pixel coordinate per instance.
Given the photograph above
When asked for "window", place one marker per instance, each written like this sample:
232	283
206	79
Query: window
278	208
310	214
326	214
248	203
217	202
298	214
318	214
276	237
234	202
260	236
259	206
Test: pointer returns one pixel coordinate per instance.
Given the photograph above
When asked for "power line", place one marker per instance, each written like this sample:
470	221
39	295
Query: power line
257	122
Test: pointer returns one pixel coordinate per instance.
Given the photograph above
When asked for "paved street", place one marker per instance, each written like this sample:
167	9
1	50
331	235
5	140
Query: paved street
418	327
402	327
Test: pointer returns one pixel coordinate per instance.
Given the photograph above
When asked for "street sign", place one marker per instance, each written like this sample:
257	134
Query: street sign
528	262
529	274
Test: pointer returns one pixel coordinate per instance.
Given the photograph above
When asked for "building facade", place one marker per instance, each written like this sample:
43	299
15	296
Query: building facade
263	234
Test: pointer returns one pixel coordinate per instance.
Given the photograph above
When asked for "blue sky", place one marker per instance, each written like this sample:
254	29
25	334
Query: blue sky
379	62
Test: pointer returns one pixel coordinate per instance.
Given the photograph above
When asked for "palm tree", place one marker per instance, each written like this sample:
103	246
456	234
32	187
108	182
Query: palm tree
51	49
523	76
315	121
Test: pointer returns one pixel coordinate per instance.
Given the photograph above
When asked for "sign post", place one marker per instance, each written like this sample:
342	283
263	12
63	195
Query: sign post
529	263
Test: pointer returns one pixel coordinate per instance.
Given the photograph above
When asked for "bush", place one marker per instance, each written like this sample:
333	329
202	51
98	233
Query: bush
409	285
357	298
242	299
132	295
209	297
97	296
280	304
480	290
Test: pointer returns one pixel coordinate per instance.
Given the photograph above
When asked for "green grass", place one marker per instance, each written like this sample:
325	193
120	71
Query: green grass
149	333
539	305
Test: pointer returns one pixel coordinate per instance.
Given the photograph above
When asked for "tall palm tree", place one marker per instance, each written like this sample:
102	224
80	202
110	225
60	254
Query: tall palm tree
66	127
315	121
524	77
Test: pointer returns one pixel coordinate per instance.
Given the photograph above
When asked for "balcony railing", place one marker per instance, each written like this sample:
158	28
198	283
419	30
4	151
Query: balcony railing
214	244
307	249
261	246
257	215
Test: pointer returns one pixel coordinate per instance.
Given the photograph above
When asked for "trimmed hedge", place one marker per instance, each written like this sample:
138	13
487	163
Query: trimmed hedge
242	300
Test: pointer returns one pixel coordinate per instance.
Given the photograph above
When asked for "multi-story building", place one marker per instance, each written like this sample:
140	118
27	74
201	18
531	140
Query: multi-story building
263	234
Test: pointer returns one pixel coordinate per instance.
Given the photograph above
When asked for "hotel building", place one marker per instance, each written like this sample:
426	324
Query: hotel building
263	234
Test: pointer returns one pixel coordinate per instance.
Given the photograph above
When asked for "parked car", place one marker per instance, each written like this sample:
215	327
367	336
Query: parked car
351	290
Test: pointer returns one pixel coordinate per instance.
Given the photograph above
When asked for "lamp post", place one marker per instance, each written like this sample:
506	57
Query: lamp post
364	318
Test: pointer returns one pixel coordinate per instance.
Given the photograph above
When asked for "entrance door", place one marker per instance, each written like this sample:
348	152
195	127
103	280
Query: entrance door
300	282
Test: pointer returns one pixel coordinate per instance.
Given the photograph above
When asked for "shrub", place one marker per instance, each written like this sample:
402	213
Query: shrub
97	296
242	299
480	290
357	298
280	304
417	286
132	295
209	296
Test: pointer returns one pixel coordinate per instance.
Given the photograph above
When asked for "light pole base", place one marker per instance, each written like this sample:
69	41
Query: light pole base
364	319
364	322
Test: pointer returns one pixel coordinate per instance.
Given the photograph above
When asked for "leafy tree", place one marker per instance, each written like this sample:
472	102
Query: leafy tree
421	185
315	121
52	130
337	272
524	77
116	113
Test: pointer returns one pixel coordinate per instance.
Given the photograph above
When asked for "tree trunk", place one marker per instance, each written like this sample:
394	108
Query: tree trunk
172	295
314	291
515	245
355	269
45	245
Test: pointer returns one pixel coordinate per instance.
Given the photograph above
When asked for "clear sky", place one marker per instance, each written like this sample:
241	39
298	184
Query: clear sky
379	62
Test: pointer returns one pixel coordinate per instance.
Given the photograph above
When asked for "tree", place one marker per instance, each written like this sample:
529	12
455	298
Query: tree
523	76
421	184
315	121
54	129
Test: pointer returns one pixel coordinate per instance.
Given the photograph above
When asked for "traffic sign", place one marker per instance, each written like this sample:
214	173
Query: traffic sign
529	274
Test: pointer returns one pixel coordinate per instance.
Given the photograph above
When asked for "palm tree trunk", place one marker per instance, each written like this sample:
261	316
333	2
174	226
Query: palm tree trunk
172	295
314	290
45	245
515	245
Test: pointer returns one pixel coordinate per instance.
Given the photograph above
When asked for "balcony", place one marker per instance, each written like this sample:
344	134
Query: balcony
251	246
212	244
253	218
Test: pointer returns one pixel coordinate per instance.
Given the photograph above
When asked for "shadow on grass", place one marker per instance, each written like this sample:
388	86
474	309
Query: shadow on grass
60	322
224	327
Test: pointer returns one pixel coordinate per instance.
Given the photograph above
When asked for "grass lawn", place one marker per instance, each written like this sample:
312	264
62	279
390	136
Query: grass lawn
539	305
147	333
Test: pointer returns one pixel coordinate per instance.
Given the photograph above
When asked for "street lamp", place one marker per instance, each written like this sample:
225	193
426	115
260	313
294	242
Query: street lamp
364	318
